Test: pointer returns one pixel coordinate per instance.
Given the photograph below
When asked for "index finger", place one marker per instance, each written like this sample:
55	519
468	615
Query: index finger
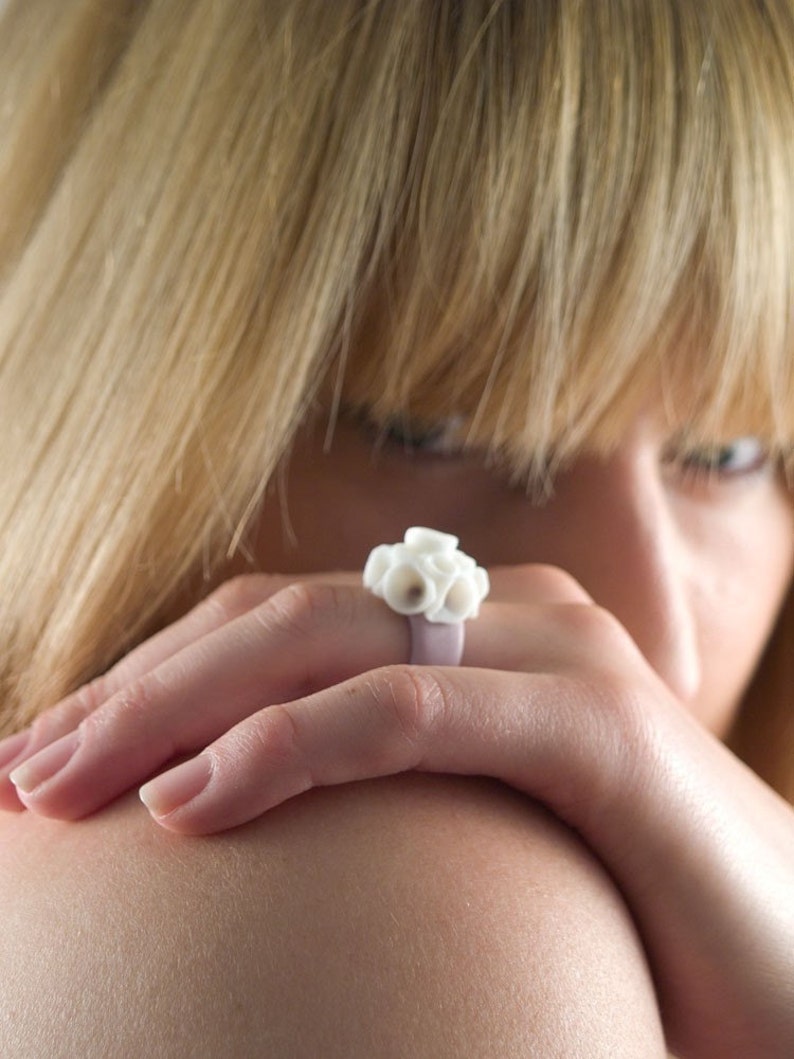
231	600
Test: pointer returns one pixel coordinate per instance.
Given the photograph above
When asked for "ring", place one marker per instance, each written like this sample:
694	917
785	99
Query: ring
435	585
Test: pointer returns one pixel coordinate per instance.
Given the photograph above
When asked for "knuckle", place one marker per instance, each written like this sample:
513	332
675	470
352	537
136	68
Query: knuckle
589	738
122	713
415	700
547	581
237	596
88	700
304	606
90	696
563	583
71	711
593	627
620	709
256	736
622	734
275	736
271	737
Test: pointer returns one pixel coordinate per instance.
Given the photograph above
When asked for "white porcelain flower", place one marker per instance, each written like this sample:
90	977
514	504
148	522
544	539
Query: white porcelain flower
427	574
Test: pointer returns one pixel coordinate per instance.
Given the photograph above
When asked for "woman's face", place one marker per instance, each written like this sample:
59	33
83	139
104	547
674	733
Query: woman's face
694	564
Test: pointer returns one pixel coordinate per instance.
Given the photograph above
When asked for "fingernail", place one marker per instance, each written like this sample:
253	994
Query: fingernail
12	746
44	765
176	787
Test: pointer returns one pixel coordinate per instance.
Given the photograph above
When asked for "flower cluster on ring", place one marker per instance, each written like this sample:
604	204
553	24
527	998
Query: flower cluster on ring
427	574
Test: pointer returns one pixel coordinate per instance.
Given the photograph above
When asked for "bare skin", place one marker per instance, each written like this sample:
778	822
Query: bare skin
420	916
596	682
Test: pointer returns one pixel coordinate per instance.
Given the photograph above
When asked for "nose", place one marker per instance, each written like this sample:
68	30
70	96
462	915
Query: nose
617	535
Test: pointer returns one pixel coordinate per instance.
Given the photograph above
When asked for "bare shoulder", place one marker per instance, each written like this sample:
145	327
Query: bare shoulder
420	915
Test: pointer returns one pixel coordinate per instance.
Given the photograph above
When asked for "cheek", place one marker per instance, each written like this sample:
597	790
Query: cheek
743	579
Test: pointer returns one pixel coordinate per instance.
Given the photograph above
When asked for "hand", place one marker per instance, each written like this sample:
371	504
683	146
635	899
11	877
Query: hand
554	698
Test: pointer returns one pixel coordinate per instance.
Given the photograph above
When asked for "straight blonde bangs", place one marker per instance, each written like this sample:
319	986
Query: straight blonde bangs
598	214
215	215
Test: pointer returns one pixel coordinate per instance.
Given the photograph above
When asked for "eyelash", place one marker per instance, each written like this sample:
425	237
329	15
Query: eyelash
698	466
709	463
439	440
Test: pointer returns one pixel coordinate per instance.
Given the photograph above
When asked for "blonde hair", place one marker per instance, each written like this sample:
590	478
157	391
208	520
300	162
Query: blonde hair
215	215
